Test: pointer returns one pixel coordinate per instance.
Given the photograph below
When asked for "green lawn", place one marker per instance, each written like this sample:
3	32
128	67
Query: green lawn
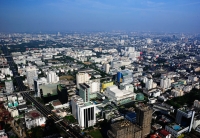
95	133
71	119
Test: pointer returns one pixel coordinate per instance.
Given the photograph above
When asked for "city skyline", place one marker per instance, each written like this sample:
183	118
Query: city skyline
87	15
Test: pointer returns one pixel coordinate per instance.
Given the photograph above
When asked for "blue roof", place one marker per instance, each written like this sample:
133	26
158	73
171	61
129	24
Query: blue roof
131	115
176	127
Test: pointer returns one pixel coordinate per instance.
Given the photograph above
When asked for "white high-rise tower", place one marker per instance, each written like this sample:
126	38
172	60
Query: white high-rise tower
31	73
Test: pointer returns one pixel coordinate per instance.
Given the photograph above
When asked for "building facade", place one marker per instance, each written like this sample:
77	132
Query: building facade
9	86
31	73
143	118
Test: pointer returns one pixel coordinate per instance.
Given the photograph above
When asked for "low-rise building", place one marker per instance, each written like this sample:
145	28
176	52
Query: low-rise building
34	118
176	130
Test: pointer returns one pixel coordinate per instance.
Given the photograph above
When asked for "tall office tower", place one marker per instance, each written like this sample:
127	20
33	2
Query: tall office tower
75	101
165	82
185	117
82	77
106	67
149	84
9	86
52	77
94	87
62	93
31	73
84	112
124	129
37	83
143	118
84	92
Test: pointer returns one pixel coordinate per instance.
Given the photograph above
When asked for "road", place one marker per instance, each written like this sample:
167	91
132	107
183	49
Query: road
10	61
70	131
47	113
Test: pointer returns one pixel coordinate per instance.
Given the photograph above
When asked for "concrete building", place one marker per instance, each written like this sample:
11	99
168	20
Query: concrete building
13	111
75	100
185	117
165	82
84	92
144	117
3	134
176	130
196	104
124	129
149	84
37	84
52	77
48	89
9	86
31	73
34	118
106	84
125	76
107	67
62	93
82	77
84	112
118	96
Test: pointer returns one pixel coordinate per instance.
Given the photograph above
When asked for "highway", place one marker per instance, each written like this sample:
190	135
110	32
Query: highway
70	131
47	113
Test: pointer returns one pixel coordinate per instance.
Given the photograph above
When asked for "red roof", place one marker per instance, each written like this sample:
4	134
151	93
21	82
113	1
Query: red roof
35	114
164	132
155	136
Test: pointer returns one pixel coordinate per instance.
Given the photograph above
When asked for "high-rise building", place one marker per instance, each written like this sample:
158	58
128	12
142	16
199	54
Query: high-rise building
106	67
143	118
82	77
62	93
84	112
37	83
84	92
9	86
124	129
75	101
31	73
165	82
94	87
52	77
185	117
149	84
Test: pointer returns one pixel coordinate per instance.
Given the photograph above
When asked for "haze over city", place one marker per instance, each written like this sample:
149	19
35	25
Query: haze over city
100	15
99	69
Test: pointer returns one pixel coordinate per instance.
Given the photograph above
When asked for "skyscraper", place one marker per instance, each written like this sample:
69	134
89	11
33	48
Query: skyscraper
84	112
84	92
31	73
82	77
149	84
52	77
165	82
62	93
144	117
185	117
124	129
37	83
9	86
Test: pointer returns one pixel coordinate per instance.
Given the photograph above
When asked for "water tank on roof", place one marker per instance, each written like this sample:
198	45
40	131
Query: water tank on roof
10	104
139	97
15	103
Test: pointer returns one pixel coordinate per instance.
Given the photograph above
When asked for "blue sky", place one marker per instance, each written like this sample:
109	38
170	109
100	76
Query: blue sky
100	15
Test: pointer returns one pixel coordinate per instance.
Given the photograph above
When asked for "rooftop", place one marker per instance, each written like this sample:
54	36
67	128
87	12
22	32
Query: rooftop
34	114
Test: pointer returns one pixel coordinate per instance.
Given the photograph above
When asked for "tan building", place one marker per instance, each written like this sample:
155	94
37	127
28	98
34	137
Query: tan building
124	129
144	117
